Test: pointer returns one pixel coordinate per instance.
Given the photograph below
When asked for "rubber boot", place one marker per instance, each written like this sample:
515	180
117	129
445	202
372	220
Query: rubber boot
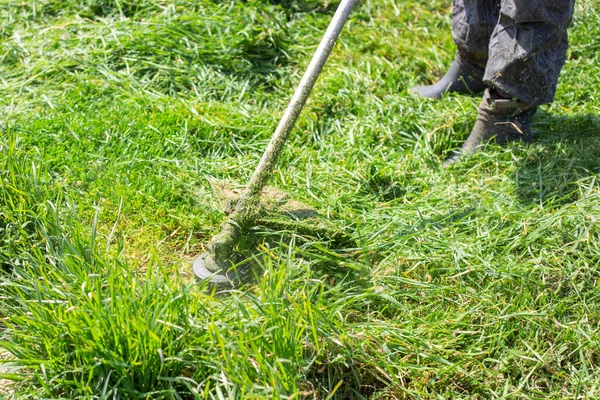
464	76
500	119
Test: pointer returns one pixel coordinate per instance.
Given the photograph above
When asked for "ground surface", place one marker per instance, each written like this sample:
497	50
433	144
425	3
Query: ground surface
480	281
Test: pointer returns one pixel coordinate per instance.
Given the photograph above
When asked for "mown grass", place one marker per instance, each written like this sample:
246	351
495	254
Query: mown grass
475	282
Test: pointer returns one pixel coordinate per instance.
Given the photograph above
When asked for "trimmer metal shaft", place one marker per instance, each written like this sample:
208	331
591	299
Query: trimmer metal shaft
214	263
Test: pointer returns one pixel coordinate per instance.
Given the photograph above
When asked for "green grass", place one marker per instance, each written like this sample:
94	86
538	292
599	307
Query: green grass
480	281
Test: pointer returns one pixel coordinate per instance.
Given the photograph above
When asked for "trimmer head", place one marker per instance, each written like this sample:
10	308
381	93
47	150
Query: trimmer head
205	268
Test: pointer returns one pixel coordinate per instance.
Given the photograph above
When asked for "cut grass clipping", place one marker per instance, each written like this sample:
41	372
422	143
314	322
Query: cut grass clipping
475	282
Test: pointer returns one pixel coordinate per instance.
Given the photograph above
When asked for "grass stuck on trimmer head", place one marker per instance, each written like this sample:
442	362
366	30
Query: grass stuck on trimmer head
276	219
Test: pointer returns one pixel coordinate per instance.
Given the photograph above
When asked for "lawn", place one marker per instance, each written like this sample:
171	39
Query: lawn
477	281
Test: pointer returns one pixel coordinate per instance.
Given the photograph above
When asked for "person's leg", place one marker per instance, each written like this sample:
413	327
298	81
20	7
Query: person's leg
528	48
473	22
501	119
527	52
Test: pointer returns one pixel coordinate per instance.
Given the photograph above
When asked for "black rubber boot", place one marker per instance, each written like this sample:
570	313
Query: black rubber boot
500	119
464	76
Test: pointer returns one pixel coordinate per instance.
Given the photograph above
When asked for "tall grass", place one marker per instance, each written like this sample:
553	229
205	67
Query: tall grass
475	282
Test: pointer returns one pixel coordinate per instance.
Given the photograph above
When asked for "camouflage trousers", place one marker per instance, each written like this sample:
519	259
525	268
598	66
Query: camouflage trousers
521	43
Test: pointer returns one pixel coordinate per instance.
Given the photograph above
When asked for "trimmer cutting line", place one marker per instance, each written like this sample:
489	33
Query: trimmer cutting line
216	263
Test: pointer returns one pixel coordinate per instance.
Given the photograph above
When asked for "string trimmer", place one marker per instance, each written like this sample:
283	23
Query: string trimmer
220	257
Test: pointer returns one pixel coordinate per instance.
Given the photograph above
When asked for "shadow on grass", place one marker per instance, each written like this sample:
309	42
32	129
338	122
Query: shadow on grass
569	156
331	255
